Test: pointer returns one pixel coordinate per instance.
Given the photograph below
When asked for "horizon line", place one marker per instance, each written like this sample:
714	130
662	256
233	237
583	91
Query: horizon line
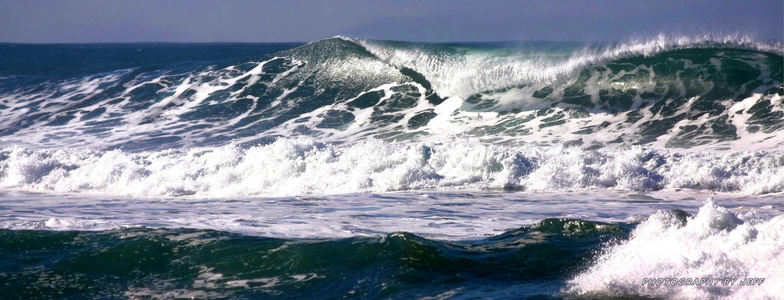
326	38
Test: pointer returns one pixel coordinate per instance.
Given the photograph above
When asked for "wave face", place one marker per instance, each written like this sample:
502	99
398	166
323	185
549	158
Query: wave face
673	93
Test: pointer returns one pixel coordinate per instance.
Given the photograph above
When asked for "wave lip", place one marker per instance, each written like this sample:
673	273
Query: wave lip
715	243
464	72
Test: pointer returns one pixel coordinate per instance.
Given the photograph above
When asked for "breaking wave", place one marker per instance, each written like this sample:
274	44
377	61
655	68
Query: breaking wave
706	92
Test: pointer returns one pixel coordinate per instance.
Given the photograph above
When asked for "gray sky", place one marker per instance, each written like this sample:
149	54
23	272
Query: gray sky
274	21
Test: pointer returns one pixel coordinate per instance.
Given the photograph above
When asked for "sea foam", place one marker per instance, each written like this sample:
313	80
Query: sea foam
300	166
715	243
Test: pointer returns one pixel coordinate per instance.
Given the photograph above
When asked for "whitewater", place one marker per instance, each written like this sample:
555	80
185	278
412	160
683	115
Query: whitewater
502	170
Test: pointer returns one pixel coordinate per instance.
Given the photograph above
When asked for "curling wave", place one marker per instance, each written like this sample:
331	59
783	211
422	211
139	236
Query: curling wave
709	92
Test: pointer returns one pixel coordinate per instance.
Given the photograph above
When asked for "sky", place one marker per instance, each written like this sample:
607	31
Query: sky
70	21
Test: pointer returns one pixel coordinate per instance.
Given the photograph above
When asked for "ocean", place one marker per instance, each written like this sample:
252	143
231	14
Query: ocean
354	168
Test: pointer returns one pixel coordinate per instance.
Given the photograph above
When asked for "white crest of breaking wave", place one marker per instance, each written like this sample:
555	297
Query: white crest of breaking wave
715	243
472	72
307	167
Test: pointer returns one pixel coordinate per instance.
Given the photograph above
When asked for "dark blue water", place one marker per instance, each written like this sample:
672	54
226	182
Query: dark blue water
83	59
